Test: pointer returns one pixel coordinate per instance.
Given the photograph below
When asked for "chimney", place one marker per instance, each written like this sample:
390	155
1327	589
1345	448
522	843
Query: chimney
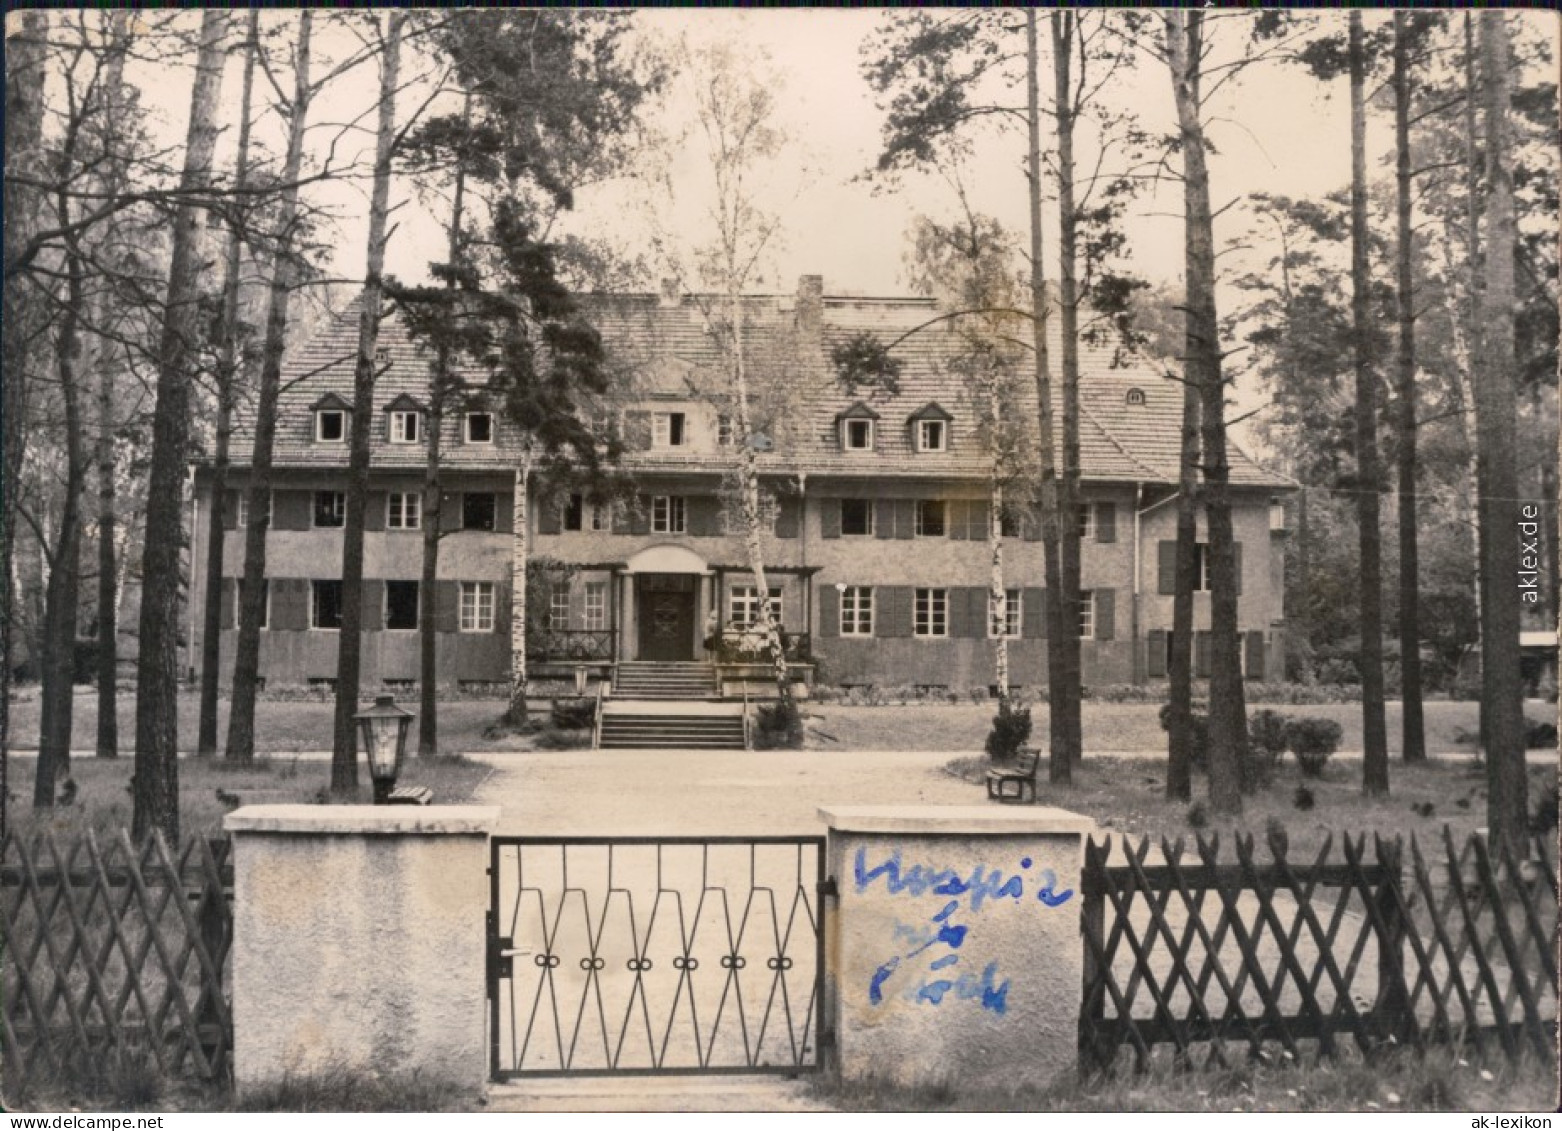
810	310
671	293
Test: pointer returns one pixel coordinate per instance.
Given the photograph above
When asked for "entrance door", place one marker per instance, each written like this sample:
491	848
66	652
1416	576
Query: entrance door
666	603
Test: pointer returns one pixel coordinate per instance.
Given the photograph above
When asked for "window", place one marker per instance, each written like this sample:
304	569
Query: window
930	519
856	516
325	604
668	430
478	510
1135	397
931	435
582	515
241	517
331	426
1011	614
1087	614
1087	522
265	601
1009	524
932	612
477	606
1201	568
744	605
401	605
558	607
596	606
479	427
724	430
404	428
668	514
857	435
404	510
330	508
857	610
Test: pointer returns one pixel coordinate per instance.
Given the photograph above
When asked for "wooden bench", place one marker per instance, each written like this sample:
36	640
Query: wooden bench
1016	782
410	795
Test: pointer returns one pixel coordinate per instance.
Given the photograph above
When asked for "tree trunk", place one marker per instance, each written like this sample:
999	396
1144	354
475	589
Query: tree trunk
1060	619
997	595
1414	732
1374	775
1067	711
520	554
227	382
349	658
252	594
1472	239
1497	422
156	781
24	101
1202	367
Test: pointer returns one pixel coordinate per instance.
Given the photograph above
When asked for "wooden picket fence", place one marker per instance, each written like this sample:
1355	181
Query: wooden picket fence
111	947
1193	959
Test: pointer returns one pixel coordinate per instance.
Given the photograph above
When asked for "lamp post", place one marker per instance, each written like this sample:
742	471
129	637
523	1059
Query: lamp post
382	733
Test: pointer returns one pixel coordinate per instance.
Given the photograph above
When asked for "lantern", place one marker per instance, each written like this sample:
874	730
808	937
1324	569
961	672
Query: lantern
382	733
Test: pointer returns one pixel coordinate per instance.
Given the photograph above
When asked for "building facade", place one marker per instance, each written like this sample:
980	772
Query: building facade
877	513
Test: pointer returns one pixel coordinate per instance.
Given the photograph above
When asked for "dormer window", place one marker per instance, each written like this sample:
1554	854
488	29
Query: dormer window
404	420
1135	397
930	428
331	414
857	427
669	429
724	431
479	427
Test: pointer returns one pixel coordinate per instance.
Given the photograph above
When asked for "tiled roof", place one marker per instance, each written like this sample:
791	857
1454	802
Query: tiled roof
667	351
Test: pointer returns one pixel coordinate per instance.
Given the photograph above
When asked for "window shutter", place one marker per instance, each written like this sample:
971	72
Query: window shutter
228	602
1166	564
905	518
621	516
957	519
1106	614
829	611
1032	524
1236	554
1106	522
447	606
374	513
893	610
504	512
289	604
450	511
981	513
640	517
787	517
830	518
230	510
373	606
637	431
1255	655
290	510
1201	665
883	518
700	517
959	611
1156	660
502	609
1033	613
549	519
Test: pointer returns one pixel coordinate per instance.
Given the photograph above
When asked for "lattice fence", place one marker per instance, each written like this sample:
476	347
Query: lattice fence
113	947
1192	958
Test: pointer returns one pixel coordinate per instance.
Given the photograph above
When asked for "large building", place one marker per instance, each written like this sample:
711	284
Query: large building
878	553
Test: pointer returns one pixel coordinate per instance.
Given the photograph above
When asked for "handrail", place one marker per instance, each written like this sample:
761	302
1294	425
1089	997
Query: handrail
748	741
596	722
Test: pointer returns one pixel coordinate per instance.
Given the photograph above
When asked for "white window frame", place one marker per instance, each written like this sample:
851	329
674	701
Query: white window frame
241	515
320	415
669	514
857	610
1013	614
1086	521
341	507
593	516
476	606
558	607
930	613
724	431
662	430
868	533
1201	571
406	426
743	605
1087	614
314	604
929	431
466	427
417	616
944	517
405	515
846	434
595	606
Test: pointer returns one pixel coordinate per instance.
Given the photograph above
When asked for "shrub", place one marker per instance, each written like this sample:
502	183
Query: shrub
574	714
1011	730
1199	721
1303	798
1127	693
1313	741
1544	819
778	726
552	738
1198	815
1540	736
1265	746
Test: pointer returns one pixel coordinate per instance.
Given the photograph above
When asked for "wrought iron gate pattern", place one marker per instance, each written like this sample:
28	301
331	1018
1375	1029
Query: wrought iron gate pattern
639	954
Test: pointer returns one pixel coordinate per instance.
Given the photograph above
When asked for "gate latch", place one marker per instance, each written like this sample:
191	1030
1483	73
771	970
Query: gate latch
500	963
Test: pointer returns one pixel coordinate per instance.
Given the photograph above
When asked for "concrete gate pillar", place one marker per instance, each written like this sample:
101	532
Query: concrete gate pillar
955	953
359	940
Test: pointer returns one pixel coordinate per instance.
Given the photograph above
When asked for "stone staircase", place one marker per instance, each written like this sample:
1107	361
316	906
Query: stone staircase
669	706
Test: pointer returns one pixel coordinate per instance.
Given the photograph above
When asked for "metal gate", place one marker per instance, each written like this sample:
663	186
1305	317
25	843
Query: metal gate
655	954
